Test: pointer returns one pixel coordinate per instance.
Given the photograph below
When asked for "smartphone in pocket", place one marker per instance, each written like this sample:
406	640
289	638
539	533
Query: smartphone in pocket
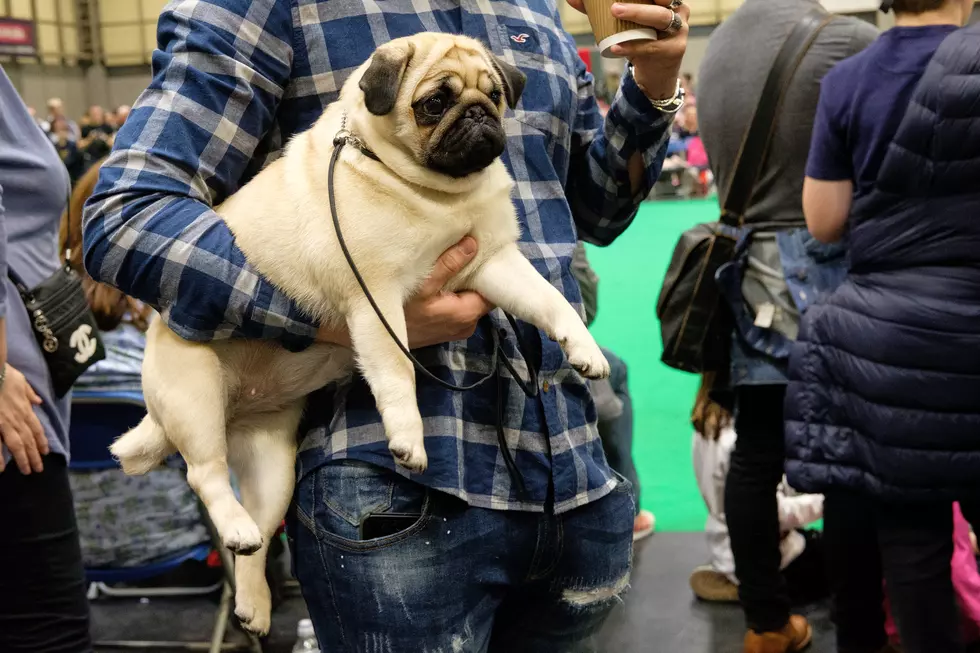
385	524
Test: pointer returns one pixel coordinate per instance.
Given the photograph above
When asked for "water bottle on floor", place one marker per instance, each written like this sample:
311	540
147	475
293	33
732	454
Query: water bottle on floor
306	638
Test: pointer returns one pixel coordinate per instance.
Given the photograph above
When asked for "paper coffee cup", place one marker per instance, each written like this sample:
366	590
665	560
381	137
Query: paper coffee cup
609	30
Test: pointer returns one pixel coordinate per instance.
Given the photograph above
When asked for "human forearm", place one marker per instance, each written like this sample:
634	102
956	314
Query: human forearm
3	342
183	259
618	167
334	335
3	283
826	207
149	228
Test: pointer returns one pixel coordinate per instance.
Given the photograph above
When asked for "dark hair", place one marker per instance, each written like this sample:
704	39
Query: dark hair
109	305
916	6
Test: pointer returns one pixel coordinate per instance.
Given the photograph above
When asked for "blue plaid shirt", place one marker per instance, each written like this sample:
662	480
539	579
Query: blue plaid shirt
234	80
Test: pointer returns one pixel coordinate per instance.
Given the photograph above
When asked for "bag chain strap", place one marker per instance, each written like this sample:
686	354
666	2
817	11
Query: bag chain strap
41	326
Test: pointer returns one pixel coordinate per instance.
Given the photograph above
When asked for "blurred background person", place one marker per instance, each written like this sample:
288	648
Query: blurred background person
42	585
882	408
120	115
802	559
739	57
66	145
97	134
56	110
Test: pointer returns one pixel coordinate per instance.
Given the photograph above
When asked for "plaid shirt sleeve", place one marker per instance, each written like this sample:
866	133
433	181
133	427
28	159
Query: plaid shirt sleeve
598	188
218	76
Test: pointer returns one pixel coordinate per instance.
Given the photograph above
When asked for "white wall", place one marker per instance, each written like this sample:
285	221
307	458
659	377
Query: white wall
37	84
125	86
696	48
79	88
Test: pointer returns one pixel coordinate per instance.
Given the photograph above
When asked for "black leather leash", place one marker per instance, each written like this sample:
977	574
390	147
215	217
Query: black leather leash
530	388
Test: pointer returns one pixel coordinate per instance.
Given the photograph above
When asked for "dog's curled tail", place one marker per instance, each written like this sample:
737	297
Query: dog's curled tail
142	448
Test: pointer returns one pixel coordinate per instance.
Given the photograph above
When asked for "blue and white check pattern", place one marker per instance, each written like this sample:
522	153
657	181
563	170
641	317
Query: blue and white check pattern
233	80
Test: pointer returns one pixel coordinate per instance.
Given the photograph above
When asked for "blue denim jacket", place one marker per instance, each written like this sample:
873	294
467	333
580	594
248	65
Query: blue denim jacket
812	270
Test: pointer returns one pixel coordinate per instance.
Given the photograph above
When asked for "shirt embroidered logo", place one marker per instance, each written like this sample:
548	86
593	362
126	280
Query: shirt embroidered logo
81	341
520	38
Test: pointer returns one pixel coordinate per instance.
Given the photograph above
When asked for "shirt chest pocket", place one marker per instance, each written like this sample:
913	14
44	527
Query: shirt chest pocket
550	95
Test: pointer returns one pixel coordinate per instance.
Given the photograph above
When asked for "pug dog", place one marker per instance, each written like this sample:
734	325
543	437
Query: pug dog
427	112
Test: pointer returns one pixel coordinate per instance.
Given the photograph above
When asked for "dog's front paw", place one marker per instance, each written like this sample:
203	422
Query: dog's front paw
588	360
254	613
242	536
584	354
409	453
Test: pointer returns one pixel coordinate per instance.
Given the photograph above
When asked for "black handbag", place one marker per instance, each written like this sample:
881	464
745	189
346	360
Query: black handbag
62	322
695	327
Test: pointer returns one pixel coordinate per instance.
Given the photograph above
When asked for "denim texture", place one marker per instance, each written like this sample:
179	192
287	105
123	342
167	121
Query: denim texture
812	271
460	579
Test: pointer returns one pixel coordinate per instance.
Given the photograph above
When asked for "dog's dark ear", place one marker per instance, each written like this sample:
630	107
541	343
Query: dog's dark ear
383	77
514	80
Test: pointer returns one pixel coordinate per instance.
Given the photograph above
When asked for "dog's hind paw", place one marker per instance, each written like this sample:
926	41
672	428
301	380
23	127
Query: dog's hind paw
255	620
243	538
409	454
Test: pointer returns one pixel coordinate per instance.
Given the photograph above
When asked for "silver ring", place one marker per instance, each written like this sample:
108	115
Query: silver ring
676	23
674	4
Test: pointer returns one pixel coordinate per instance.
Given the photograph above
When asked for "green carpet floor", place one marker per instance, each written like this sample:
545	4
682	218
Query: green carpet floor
631	271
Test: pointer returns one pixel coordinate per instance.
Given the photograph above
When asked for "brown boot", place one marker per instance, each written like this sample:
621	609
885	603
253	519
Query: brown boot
794	637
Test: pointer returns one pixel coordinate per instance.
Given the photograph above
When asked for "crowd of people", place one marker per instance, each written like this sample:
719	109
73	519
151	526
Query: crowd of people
686	170
80	144
850	393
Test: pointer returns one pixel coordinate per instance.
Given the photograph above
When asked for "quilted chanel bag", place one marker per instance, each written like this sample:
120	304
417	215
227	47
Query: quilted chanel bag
63	324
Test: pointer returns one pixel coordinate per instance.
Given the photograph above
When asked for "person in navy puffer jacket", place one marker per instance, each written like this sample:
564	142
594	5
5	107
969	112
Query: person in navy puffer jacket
883	405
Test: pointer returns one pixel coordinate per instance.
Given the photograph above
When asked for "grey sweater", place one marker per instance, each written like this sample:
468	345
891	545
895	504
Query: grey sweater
33	191
735	67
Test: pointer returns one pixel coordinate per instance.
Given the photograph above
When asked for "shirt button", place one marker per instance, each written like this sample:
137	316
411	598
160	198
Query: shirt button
545	386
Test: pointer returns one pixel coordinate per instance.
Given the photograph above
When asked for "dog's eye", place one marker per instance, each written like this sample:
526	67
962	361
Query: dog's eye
495	96
434	106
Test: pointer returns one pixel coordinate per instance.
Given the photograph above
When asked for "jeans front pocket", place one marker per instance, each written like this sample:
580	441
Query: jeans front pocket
334	500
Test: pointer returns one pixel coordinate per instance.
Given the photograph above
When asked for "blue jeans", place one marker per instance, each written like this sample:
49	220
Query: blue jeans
617	434
459	579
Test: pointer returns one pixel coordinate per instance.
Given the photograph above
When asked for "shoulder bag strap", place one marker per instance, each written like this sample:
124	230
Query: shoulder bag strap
755	144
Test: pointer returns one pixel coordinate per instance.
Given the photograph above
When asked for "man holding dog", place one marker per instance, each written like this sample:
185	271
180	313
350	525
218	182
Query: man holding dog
518	548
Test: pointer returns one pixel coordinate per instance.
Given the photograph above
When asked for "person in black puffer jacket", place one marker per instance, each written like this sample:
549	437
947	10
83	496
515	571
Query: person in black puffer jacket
883	405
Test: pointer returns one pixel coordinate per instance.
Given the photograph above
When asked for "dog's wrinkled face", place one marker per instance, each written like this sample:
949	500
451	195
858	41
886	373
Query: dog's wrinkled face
447	95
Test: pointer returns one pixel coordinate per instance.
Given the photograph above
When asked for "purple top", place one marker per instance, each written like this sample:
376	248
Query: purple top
862	102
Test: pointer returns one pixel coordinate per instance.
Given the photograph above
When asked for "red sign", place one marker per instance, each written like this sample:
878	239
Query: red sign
586	55
17	37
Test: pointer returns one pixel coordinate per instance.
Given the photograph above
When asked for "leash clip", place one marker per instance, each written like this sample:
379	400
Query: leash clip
344	136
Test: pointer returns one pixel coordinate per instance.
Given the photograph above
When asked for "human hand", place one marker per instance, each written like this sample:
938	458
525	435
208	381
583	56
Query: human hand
20	429
656	64
434	316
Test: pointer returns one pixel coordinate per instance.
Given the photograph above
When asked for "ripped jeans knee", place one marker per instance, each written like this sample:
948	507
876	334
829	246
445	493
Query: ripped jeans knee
597	598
